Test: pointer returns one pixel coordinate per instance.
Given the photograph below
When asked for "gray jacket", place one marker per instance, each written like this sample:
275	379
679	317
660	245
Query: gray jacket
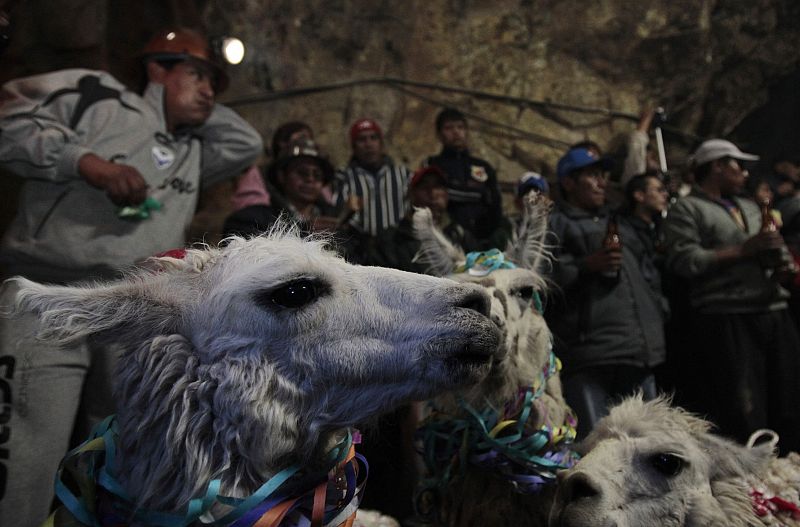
695	228
596	322
66	229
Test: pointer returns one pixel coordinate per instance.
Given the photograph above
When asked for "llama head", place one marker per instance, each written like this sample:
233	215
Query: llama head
242	359
648	463
522	389
514	291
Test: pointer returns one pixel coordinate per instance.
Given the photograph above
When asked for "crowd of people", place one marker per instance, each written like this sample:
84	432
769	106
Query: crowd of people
696	294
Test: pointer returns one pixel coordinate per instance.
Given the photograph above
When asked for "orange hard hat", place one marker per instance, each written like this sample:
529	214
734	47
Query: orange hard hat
184	44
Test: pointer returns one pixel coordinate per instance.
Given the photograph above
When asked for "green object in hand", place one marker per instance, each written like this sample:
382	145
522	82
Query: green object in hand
141	211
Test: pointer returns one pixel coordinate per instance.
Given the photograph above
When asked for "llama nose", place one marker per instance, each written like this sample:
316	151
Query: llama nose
578	486
474	298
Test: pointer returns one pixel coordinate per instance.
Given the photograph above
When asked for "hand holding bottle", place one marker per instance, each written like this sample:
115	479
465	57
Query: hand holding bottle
606	262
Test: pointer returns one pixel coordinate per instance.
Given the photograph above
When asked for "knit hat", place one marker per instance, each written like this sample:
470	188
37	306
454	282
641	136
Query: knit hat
364	125
532	181
428	171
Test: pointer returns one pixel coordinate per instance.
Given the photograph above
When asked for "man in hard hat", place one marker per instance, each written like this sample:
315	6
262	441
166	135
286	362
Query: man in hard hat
110	178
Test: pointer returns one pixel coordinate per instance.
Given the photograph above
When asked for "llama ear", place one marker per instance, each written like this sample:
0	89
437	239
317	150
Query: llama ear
70	313
528	248
436	252
731	460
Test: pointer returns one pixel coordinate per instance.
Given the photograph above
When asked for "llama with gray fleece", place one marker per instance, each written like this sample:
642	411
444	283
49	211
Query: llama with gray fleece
244	369
649	463
492	449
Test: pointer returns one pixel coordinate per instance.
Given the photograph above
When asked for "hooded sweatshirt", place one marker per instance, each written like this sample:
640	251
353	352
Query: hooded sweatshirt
66	229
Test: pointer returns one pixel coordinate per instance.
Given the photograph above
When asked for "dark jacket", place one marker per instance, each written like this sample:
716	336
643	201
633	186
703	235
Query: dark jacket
474	196
596	321
396	247
647	248
256	219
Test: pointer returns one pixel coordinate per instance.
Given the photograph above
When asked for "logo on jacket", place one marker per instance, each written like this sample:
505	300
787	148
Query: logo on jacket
478	173
163	157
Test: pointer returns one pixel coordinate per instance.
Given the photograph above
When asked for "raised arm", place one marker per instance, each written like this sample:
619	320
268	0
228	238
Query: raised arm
40	137
37	137
230	145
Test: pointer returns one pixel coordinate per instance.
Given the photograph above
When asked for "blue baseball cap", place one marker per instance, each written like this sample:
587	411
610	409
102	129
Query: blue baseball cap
532	181
578	158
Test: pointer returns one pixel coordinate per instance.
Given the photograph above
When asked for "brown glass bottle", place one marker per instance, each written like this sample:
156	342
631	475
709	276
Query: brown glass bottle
769	258
612	242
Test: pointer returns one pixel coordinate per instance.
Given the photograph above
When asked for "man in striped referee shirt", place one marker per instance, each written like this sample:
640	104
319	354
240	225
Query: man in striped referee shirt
373	177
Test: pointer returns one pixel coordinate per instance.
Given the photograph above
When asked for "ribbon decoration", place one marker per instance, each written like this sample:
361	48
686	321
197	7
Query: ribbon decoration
505	441
765	504
141	211
91	496
481	263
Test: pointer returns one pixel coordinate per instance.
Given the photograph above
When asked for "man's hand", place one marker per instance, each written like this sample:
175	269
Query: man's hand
123	184
763	241
604	261
646	119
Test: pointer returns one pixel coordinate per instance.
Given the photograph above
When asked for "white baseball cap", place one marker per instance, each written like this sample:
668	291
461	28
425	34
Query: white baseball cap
714	149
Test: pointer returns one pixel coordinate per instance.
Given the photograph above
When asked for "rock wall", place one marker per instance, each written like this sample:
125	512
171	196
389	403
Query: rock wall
711	63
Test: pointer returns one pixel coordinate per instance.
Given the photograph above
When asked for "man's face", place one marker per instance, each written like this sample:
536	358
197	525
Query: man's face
302	181
654	196
368	148
763	194
587	187
430	193
453	134
188	94
732	177
789	170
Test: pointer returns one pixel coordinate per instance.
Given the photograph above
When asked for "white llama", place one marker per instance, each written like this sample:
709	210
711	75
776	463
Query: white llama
648	463
516	422
248	364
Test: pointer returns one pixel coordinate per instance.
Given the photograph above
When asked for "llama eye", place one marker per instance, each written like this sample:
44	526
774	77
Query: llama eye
669	465
524	293
292	295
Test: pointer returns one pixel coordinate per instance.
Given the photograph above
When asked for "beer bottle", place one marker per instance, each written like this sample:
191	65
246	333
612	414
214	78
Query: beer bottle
769	258
612	242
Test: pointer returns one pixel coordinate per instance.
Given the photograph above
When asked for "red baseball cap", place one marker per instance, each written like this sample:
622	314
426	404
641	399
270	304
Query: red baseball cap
363	125
428	171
